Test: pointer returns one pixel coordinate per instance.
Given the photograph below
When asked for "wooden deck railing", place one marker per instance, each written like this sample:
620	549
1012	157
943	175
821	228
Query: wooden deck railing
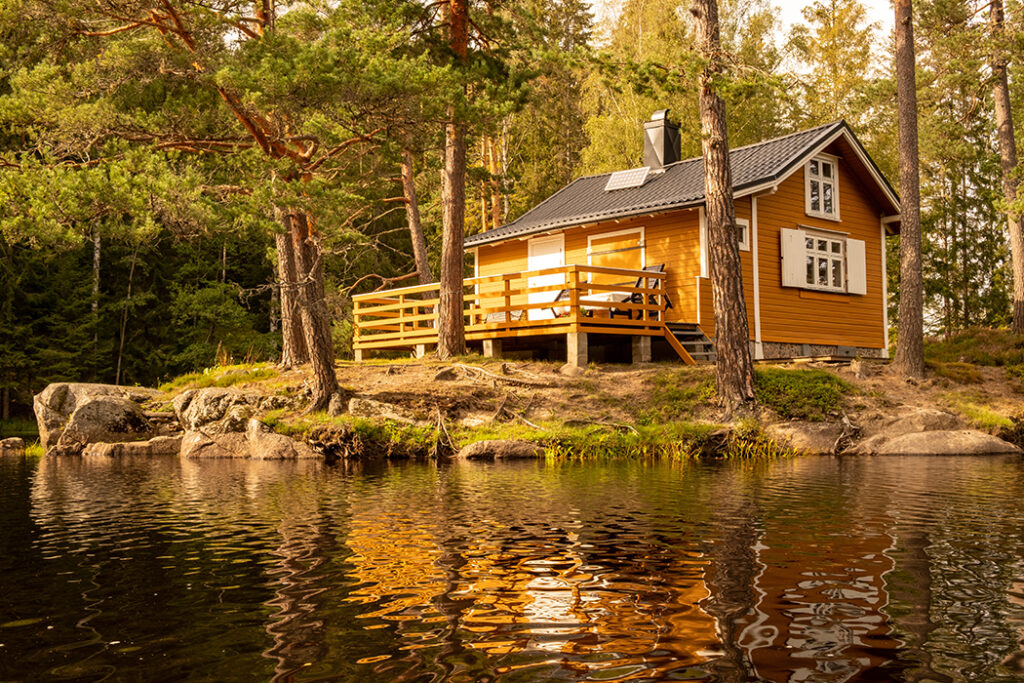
583	299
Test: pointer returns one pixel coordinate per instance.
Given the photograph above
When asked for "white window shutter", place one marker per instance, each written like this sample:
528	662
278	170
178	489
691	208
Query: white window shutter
794	270
856	267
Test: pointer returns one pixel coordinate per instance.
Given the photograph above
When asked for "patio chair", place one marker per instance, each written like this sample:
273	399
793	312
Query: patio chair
637	297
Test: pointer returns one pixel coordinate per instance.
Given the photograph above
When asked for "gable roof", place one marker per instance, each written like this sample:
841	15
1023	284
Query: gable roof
681	185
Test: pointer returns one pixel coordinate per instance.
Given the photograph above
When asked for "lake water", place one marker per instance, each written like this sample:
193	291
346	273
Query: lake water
810	569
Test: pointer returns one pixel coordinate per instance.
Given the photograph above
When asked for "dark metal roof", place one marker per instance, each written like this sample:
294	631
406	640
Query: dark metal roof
682	184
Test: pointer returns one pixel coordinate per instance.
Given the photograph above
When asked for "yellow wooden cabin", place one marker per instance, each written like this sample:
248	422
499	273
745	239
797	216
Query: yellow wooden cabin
615	266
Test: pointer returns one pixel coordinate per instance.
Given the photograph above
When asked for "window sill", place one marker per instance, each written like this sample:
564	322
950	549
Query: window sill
824	294
824	216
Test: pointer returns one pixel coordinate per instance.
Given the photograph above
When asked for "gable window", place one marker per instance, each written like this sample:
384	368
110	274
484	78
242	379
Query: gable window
825	261
821	187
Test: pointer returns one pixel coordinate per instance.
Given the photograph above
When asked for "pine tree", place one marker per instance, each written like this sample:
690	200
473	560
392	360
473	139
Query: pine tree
1008	156
909	359
734	370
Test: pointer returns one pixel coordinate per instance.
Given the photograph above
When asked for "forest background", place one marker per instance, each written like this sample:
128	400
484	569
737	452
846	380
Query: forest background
137	227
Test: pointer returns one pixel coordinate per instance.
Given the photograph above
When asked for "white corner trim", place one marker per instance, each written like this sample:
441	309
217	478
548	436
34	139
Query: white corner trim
697	278
754	248
702	233
885	291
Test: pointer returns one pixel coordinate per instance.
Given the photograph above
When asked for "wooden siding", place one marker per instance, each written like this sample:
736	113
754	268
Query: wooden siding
801	316
670	238
788	315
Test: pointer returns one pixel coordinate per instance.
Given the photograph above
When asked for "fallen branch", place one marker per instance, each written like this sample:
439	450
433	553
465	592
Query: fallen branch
505	380
499	410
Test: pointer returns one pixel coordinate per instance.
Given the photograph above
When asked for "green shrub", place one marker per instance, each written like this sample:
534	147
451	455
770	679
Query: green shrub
980	415
220	377
961	373
805	394
978	345
675	394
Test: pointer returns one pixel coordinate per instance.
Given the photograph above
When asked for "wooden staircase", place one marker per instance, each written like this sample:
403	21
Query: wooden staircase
697	344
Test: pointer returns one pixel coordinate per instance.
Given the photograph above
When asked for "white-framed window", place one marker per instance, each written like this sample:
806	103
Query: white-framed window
743	233
742	238
824	261
821	185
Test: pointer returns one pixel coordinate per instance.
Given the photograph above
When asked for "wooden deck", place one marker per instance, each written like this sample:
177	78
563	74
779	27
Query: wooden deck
572	300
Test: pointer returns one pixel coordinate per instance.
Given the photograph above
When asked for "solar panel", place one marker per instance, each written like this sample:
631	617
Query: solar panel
620	180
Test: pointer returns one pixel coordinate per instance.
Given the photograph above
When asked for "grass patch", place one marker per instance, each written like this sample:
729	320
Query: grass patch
221	376
974	407
978	346
17	426
34	450
961	373
674	394
805	394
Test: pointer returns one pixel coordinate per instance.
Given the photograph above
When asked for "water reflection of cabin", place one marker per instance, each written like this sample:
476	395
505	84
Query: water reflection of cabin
614	265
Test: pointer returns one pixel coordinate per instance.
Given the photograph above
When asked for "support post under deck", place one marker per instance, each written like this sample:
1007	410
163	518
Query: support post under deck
641	349
576	347
492	348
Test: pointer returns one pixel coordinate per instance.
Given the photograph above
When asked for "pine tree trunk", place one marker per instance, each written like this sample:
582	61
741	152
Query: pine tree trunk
909	360
412	212
124	316
1008	157
317	327
497	201
451	333
293	342
735	369
96	253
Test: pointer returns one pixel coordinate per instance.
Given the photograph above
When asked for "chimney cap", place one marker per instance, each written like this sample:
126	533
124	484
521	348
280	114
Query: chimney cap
661	114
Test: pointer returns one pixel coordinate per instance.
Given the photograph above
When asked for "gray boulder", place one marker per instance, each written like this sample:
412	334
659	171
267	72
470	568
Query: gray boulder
107	419
909	420
257	442
815	438
157	446
219	410
12	446
196	444
958	442
367	407
265	444
501	449
54	405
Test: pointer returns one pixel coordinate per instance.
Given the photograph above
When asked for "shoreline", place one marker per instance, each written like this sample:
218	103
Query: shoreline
398	409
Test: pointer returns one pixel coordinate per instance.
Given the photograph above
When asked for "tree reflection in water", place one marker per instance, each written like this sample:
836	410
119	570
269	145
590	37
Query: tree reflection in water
811	569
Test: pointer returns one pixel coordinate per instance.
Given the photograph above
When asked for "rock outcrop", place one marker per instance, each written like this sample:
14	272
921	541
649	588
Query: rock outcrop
944	442
55	404
926	431
368	407
501	449
12	446
103	419
221	411
157	446
814	438
257	442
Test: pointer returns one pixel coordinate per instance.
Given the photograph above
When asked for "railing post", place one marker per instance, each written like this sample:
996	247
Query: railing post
401	313
574	295
507	292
